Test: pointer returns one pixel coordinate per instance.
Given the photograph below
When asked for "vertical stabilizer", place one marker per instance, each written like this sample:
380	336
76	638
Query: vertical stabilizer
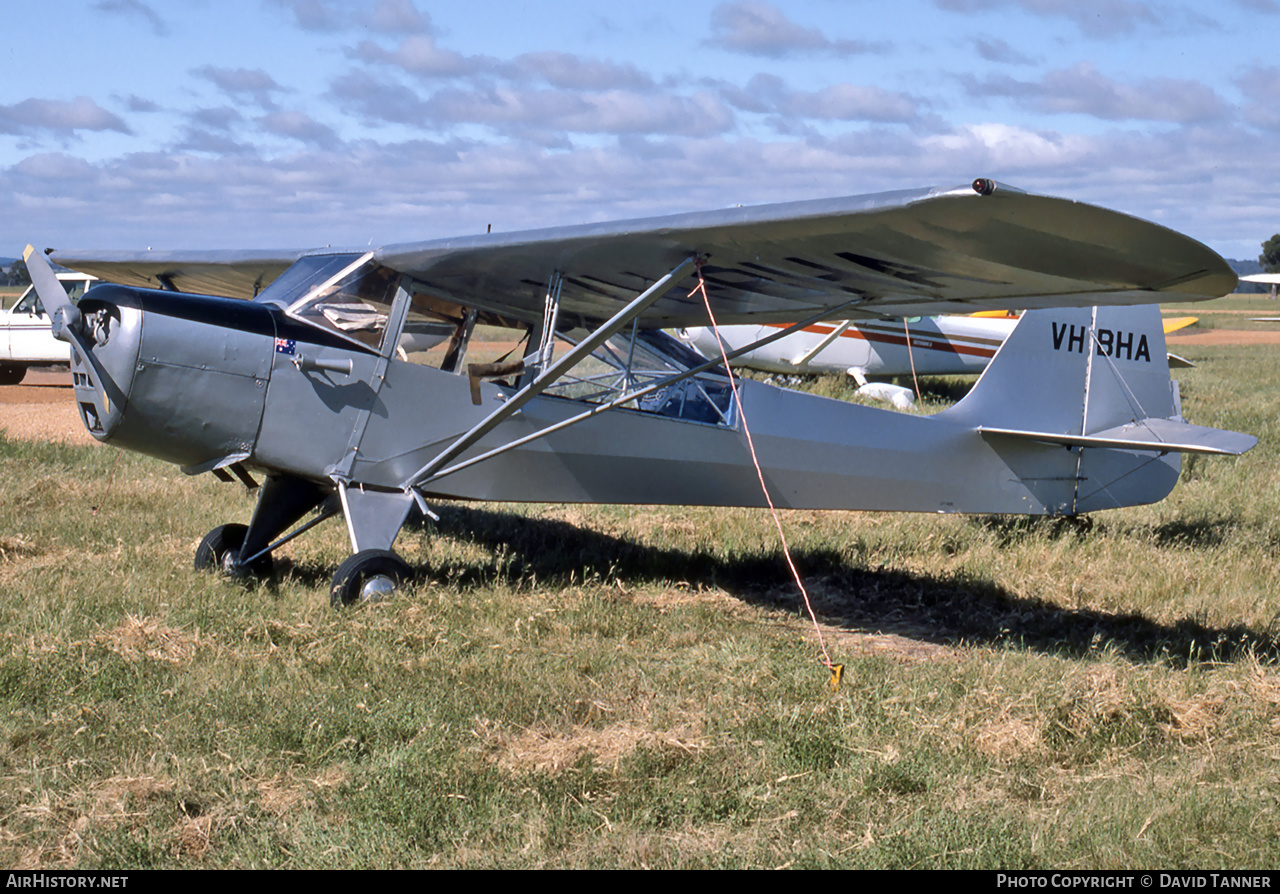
1076	371
1079	404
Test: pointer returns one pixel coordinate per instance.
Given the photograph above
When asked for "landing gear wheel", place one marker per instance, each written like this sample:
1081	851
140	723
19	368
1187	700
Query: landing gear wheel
367	576
220	551
11	375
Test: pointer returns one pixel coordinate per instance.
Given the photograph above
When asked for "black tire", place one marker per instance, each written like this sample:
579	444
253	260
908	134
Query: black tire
11	375
220	550
366	575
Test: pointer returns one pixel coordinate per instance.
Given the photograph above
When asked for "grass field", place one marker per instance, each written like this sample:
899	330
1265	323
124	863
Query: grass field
624	687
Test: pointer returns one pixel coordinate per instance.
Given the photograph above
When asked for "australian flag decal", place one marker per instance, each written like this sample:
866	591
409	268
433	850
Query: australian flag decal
285	346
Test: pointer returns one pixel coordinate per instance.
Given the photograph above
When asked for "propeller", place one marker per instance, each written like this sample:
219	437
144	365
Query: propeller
65	318
67	323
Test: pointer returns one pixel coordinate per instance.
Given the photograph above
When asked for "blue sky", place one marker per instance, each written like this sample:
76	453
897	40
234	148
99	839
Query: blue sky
297	123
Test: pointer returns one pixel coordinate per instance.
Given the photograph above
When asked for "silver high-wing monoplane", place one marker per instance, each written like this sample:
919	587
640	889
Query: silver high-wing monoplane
530	366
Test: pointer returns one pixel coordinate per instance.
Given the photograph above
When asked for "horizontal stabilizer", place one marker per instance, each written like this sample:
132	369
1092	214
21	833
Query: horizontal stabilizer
1163	435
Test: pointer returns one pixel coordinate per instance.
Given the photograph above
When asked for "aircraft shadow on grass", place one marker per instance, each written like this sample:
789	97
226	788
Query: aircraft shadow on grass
917	606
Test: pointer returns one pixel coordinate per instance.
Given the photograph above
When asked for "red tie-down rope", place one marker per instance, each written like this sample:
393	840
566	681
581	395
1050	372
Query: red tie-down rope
906	330
837	670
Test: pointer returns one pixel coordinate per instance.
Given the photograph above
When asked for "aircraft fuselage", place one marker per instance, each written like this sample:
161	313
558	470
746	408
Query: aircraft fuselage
205	382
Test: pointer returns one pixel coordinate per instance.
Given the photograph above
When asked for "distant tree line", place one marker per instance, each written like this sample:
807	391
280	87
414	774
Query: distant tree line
16	274
1270	257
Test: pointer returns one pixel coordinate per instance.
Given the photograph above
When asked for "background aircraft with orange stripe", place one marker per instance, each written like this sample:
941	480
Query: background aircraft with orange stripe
873	350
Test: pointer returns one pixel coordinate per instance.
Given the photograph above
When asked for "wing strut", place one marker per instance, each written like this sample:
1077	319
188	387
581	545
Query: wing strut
550	317
548	377
821	346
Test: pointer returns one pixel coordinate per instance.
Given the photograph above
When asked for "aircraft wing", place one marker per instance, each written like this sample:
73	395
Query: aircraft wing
231	274
908	253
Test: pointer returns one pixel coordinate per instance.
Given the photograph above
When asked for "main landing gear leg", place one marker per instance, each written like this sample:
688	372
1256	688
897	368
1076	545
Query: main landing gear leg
284	500
373	571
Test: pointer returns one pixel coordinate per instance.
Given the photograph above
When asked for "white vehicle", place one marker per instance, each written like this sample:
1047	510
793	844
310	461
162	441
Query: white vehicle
25	337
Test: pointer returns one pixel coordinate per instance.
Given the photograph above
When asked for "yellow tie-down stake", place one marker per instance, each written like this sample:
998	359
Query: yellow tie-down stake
837	673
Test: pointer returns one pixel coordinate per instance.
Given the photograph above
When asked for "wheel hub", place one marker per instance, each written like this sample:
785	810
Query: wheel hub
377	588
231	562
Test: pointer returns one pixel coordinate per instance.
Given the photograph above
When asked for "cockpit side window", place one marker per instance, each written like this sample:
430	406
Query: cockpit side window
629	369
626	364
435	331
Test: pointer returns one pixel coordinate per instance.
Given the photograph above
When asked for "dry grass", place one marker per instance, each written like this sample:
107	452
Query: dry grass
603	686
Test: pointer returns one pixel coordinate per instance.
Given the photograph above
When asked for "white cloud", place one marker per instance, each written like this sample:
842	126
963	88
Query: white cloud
59	116
1262	87
1097	18
769	94
993	49
1083	90
417	189
997	146
386	16
422	137
212	142
242	83
298	126
762	29
374	100
603	112
419	54
399	17
567	71
54	167
134	9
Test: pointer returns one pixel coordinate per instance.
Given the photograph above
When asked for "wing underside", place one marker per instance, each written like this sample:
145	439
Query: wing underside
895	254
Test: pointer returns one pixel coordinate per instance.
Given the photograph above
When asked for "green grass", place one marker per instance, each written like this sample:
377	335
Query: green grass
627	687
1230	312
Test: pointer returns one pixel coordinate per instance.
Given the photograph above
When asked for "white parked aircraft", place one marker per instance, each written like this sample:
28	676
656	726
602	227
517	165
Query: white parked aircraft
1266	279
867	349
877	350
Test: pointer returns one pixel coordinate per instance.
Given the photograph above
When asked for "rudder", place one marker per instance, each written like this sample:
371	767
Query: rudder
1094	382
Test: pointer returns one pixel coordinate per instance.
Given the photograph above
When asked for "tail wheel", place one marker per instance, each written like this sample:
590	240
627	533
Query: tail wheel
220	551
368	576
